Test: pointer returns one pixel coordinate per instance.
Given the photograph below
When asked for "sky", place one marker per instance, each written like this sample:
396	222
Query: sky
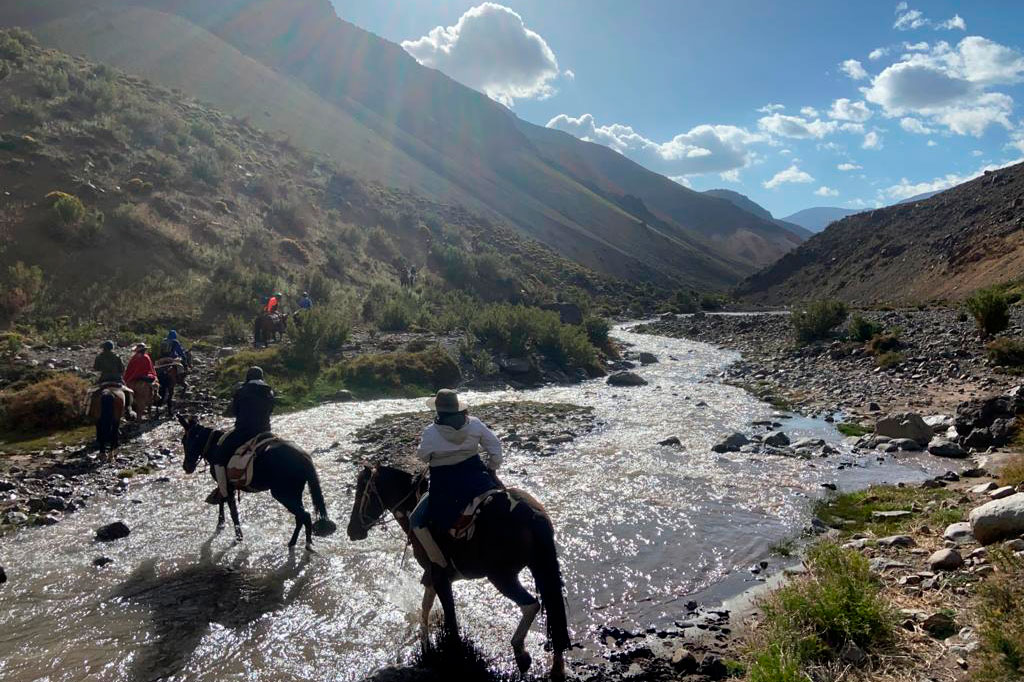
794	104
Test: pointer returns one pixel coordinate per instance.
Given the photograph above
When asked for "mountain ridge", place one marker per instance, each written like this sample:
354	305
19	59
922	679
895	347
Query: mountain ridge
817	218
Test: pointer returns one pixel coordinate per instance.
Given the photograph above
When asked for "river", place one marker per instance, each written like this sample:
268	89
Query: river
642	529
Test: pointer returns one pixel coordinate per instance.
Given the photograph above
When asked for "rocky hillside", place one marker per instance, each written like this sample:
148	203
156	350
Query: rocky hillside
293	66
943	247
818	218
750	206
140	204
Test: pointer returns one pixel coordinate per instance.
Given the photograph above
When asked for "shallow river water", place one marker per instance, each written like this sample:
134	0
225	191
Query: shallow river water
642	529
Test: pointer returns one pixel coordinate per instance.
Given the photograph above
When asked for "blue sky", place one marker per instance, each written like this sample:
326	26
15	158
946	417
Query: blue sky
795	104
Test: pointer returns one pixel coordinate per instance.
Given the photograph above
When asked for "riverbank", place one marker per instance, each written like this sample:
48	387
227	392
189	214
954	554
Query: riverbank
940	361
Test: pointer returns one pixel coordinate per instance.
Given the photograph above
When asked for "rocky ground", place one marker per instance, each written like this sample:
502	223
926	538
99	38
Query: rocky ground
943	362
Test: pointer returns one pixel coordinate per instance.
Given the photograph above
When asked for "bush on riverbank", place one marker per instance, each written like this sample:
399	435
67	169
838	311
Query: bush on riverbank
1000	612
862	329
400	373
1006	352
50	405
517	330
815	320
811	620
991	310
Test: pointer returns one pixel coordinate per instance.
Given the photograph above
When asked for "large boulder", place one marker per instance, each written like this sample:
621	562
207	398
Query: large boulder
113	531
998	520
986	422
731	443
959	532
648	358
905	425
947	448
777	439
945	560
626	379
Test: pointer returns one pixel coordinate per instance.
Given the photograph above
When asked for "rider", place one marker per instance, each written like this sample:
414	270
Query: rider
171	347
305	303
140	366
273	303
251	406
458	474
108	364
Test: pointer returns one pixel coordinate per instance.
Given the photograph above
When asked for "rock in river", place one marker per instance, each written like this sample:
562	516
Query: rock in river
999	519
946	448
905	425
648	359
3	575
626	379
112	531
731	443
776	439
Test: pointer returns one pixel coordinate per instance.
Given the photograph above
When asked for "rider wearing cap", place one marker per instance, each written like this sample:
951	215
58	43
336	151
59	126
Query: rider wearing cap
108	364
140	366
451	446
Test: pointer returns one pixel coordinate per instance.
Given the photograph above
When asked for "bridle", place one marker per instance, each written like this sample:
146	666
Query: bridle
371	489
204	454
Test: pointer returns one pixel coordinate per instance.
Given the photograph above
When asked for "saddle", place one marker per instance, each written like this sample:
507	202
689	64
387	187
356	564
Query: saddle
122	395
465	524
239	470
164	364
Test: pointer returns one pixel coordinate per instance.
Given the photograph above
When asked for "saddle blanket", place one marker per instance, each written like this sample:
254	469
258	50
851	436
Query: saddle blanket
121	394
239	470
167	363
465	525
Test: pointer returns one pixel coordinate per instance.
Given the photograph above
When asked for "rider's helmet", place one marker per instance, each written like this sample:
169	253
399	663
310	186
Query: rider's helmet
254	374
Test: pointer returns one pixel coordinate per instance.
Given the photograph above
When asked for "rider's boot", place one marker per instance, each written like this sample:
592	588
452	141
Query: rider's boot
430	546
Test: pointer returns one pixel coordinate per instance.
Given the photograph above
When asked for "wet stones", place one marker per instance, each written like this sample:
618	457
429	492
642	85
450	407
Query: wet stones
671	442
112	531
101	561
777	439
946	448
3	575
731	443
626	379
648	359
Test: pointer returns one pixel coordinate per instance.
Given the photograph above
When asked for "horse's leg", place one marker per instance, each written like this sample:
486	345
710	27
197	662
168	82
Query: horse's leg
170	399
220	515
510	586
429	594
293	503
443	586
233	508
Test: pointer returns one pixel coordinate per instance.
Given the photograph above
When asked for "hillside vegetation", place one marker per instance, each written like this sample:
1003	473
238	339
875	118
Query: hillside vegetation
294	67
941	248
131	205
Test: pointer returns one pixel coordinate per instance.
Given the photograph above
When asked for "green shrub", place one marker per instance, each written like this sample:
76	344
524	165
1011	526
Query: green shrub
598	329
68	209
810	620
206	168
1006	352
384	374
712	302
23	286
396	316
884	343
51	81
383	244
10	48
862	329
1000	611
889	359
51	405
516	330
815	320
318	332
684	303
204	132
990	309
235	330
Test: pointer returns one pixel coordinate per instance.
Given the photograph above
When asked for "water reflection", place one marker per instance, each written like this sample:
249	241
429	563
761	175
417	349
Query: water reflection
641	529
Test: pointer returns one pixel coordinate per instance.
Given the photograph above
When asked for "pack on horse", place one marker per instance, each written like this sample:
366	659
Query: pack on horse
107	404
511	532
280	467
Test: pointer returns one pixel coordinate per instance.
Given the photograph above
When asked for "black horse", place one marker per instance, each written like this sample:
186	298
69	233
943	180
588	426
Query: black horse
284	469
505	542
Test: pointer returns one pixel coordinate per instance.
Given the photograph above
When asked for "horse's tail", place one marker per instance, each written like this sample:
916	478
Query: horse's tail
547	574
323	526
106	407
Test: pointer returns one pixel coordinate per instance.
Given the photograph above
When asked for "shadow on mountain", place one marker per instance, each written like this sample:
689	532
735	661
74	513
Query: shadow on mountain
185	602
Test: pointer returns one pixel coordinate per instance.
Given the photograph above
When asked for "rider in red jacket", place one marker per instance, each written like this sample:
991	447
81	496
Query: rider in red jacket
140	366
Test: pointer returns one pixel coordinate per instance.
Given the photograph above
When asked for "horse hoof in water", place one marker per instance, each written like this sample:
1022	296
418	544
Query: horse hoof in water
524	661
238	533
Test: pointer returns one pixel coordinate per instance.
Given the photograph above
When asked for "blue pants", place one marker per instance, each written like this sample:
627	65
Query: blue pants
418	518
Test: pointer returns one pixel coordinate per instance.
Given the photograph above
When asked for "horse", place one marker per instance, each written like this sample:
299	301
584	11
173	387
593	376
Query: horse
268	327
505	542
284	469
171	373
146	393
108	404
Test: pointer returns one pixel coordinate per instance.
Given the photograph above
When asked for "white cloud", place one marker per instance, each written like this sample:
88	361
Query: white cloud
932	143
853	69
844	109
491	49
731	176
878	53
771	108
704	149
848	166
977	152
856	203
570	74
809	112
955	22
949	86
913	125
905	188
796	127
785	152
681	179
825	191
916	47
791	174
911	19
852	128
872	141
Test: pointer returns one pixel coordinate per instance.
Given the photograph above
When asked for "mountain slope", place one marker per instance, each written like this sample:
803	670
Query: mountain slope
943	247
293	66
818	218
744	202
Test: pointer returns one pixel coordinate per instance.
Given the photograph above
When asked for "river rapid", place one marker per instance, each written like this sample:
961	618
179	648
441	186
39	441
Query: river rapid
642	530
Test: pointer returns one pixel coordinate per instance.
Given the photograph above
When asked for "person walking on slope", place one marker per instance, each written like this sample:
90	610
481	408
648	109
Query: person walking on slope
451	447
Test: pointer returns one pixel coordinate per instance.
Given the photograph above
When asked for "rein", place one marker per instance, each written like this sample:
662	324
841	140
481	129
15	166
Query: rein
204	455
364	503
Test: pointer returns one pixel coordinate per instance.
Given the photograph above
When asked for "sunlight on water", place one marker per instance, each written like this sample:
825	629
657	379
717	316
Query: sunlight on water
641	529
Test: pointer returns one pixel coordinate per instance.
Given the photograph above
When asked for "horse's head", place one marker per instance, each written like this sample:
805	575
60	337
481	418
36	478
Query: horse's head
193	442
368	507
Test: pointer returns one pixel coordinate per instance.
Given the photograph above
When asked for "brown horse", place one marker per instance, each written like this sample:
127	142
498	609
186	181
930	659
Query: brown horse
146	393
108	404
506	540
268	327
171	373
